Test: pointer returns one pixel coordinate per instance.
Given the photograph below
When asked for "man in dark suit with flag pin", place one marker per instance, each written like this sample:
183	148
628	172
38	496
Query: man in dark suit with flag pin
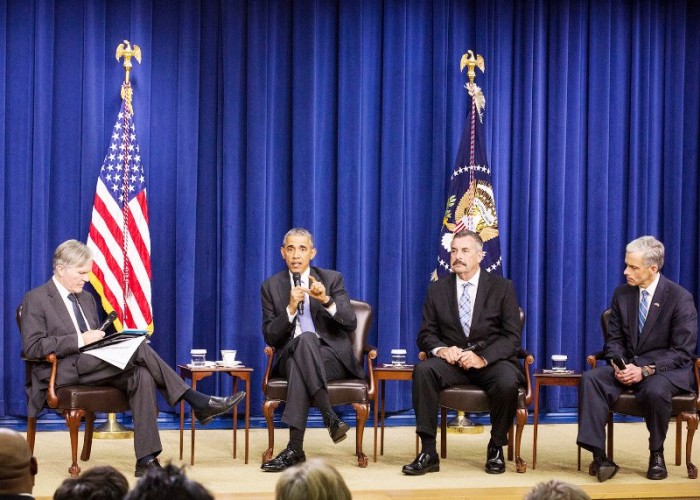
653	334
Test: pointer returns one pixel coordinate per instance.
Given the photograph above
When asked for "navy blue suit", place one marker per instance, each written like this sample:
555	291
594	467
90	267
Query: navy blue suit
668	341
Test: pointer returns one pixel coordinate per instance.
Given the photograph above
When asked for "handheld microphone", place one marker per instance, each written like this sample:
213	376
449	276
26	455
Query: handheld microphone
479	345
108	321
296	277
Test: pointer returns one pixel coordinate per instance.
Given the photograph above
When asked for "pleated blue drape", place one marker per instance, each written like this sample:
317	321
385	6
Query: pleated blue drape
344	117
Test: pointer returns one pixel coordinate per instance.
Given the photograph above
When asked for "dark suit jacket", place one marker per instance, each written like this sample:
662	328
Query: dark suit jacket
47	327
670	334
495	318
278	331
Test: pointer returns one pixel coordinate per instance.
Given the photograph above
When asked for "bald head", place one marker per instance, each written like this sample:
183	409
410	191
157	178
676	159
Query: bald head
17	465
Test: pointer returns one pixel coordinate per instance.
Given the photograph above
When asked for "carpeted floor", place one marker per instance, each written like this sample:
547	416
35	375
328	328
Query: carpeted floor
461	473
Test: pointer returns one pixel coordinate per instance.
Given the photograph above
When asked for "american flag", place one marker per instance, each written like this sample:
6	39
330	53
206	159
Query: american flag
470	202
119	236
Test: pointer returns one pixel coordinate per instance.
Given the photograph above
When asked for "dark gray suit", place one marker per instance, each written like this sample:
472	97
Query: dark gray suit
307	375
669	340
496	321
47	327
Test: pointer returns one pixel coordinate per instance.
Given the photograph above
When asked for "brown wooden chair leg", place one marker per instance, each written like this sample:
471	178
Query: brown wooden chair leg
692	419
443	432
521	419
73	418
269	412
87	437
31	432
362	411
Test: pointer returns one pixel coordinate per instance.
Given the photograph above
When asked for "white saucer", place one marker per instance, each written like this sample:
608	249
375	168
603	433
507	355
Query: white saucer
234	365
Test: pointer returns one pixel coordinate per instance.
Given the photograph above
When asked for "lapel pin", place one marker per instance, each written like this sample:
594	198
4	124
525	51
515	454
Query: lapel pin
657	304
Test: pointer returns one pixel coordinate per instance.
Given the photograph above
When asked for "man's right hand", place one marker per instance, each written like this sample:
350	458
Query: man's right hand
93	336
296	296
449	354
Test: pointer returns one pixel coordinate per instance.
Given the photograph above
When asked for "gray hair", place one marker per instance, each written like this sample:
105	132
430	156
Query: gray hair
466	233
71	253
556	490
298	231
312	480
652	250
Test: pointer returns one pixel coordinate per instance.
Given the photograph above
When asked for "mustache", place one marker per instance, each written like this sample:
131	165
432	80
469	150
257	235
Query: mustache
458	262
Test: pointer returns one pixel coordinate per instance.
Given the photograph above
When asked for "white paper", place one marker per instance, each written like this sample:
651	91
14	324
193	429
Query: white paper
117	354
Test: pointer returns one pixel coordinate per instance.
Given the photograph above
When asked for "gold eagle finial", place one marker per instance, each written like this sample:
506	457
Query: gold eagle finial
125	50
469	60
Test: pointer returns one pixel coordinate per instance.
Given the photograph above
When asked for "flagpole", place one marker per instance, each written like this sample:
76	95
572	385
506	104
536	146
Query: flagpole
461	424
112	429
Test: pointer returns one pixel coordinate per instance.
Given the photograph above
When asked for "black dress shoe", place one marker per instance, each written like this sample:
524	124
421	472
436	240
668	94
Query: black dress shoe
495	463
603	468
141	469
216	407
338	430
657	466
286	458
423	464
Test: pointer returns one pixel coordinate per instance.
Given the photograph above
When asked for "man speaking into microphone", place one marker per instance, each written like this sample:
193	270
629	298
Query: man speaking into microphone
471	330
307	317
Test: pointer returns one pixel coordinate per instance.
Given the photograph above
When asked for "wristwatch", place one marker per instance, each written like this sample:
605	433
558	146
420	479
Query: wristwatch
329	303
645	372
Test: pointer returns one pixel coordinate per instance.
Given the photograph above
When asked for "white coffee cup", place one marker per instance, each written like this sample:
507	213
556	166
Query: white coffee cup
228	356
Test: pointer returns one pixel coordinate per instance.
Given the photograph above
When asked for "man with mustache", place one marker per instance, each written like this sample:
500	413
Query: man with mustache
653	327
466	308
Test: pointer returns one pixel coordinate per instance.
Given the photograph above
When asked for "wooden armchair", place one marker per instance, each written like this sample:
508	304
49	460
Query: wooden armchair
358	392
473	399
75	402
684	408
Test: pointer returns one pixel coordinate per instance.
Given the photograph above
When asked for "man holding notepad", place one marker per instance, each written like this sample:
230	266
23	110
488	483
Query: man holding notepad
57	317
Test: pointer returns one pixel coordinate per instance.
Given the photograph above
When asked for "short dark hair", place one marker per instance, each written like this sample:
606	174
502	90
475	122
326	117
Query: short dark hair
98	483
466	233
169	482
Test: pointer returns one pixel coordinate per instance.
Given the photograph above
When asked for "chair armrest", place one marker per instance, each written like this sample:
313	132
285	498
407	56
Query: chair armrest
528	360
372	354
51	397
270	353
592	359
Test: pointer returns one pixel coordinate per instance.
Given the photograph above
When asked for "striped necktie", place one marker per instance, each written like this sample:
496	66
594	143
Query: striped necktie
78	313
465	309
643	310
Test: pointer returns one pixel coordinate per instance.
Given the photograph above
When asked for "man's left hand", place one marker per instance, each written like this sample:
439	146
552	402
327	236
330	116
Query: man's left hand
470	360
630	375
317	290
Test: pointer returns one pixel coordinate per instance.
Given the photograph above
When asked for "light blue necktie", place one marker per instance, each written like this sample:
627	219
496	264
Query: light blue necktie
643	310
305	321
465	309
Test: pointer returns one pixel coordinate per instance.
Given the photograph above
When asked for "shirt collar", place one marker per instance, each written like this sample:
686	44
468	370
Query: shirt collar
474	280
651	288
304	276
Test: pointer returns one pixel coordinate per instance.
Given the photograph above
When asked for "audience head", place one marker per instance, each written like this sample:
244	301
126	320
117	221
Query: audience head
17	465
556	490
312	480
98	483
169	482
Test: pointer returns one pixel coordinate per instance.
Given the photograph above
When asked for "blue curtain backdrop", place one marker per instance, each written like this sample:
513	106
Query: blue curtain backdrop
344	117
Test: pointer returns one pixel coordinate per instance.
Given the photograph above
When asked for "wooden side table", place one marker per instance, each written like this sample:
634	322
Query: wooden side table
569	379
381	375
196	374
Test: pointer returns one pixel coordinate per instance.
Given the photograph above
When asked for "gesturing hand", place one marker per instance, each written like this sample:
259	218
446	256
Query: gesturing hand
317	290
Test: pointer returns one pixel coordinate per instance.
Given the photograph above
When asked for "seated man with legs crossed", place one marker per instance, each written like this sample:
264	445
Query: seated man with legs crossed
471	329
58	317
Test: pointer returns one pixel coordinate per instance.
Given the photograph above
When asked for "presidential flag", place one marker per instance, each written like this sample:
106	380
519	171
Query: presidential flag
471	203
119	234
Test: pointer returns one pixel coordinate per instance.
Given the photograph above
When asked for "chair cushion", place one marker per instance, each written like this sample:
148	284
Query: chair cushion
99	398
627	404
340	392
471	398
